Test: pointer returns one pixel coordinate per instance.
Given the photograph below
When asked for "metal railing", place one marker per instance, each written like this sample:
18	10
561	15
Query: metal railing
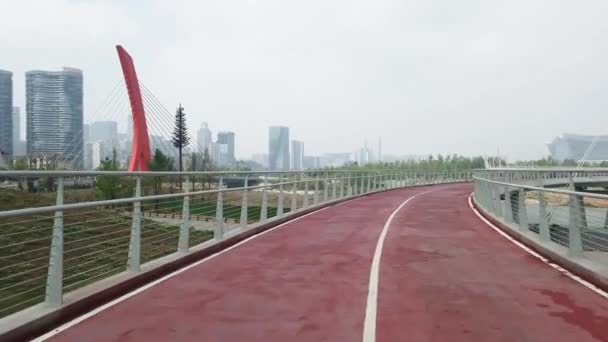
577	221
553	177
60	231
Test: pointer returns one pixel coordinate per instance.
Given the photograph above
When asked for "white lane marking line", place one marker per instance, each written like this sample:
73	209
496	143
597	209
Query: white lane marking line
369	324
158	281
538	256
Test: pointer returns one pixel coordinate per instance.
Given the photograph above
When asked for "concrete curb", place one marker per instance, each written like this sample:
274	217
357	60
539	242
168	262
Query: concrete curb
40	319
584	268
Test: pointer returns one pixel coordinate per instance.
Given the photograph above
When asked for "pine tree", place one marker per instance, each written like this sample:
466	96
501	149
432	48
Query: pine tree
180	137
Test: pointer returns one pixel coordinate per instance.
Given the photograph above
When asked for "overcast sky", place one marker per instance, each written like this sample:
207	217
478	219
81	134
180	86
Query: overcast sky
429	76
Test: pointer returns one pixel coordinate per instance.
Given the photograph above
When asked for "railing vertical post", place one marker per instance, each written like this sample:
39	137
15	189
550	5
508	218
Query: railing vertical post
325	190
522	213
54	281
333	190
219	213
355	186
264	209
375	182
134	262
497	204
244	205
315	198
294	198
280	202
369	183
507	208
362	185
575	243
342	186
184	230
305	201
349	189
579	207
543	223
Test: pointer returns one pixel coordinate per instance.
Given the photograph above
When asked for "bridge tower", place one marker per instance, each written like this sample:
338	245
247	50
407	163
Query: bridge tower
140	151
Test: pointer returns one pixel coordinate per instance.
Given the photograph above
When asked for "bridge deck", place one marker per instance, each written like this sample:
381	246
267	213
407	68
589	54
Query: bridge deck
444	275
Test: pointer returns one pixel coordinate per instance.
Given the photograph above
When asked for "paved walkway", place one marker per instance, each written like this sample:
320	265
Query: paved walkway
444	276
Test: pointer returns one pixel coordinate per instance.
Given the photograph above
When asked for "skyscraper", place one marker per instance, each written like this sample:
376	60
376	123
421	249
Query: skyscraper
6	113
227	138
92	155
278	148
297	155
204	138
54	115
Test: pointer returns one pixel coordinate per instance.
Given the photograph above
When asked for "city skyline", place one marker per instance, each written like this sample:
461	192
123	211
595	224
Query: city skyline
126	123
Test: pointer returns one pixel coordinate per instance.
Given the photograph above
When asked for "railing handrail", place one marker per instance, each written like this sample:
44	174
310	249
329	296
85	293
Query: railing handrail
68	173
537	188
546	169
92	204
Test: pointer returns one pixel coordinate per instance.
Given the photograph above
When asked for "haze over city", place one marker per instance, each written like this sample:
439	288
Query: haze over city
429	77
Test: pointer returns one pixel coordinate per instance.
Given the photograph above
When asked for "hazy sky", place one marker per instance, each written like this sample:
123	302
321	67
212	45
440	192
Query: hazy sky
429	76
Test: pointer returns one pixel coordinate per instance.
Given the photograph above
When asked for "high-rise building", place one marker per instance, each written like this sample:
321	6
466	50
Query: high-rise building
106	131
219	154
204	138
278	148
106	134
54	115
227	138
92	155
6	113
297	155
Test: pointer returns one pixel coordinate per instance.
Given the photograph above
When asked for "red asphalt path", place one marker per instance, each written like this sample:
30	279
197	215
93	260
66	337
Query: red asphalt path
444	276
447	276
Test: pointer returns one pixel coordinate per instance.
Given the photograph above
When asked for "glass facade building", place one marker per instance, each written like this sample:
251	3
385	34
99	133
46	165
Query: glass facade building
227	138
6	113
576	146
54	107
297	155
203	138
278	148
